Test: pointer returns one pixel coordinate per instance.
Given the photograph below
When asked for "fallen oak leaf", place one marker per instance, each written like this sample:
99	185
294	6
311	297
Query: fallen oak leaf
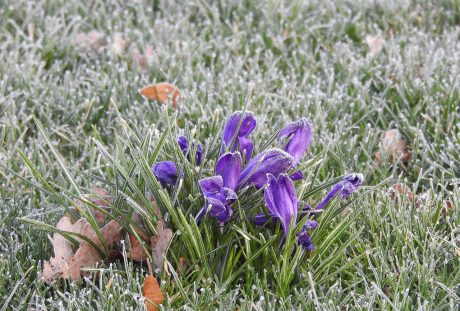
87	255
162	92
152	293
62	249
160	244
375	44
394	148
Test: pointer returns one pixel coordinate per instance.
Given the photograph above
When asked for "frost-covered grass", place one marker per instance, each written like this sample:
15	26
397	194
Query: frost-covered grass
282	60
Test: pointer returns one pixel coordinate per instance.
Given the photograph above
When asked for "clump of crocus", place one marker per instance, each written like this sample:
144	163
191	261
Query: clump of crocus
273	170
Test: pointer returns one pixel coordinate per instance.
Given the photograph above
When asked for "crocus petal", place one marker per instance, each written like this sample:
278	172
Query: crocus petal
305	241
311	224
165	172
217	196
281	199
259	219
229	166
246	146
349	184
233	129
297	175
299	133
183	144
272	161
211	185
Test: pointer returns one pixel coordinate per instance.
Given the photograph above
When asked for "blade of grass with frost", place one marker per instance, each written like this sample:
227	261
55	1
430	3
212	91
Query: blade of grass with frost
89	215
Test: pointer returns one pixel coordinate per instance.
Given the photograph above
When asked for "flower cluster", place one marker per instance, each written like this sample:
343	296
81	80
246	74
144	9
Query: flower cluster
274	170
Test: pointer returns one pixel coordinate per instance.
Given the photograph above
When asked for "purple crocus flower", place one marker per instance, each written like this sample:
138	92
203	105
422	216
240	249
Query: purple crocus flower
217	196
298	134
219	190
281	199
165	172
349	184
303	238
272	161
238	127
183	144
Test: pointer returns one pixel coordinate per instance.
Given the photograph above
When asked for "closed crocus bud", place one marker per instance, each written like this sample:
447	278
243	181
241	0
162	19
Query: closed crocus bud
217	196
165	172
281	199
229	166
238	127
184	146
298	135
272	161
349	184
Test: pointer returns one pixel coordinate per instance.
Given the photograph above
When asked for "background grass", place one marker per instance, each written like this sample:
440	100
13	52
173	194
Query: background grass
284	60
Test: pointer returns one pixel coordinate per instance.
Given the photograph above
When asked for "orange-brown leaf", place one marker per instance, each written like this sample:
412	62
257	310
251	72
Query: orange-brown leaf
152	293
162	92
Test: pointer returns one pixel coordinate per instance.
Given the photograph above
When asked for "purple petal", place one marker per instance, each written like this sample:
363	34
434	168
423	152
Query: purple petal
305	241
297	175
211	185
229	166
259	219
165	172
246	146
281	199
349	184
299	134
310	224
183	144
273	161
233	129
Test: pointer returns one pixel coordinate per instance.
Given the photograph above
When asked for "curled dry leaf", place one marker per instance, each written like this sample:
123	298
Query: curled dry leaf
394	148
62	249
375	44
87	255
160	244
142	59
152	293
92	41
446	207
398	190
119	44
161	92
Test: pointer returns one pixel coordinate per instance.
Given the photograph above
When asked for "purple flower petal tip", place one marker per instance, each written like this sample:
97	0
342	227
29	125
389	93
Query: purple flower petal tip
184	146
298	134
165	172
272	161
229	166
281	199
220	198
238	127
305	241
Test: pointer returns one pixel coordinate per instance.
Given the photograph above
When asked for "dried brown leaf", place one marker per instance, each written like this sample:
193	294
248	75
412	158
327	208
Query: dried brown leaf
91	41
160	244
162	92
394	148
152	293
375	44
86	255
62	249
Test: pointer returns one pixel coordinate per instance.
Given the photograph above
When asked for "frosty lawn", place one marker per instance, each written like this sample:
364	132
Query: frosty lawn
377	81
